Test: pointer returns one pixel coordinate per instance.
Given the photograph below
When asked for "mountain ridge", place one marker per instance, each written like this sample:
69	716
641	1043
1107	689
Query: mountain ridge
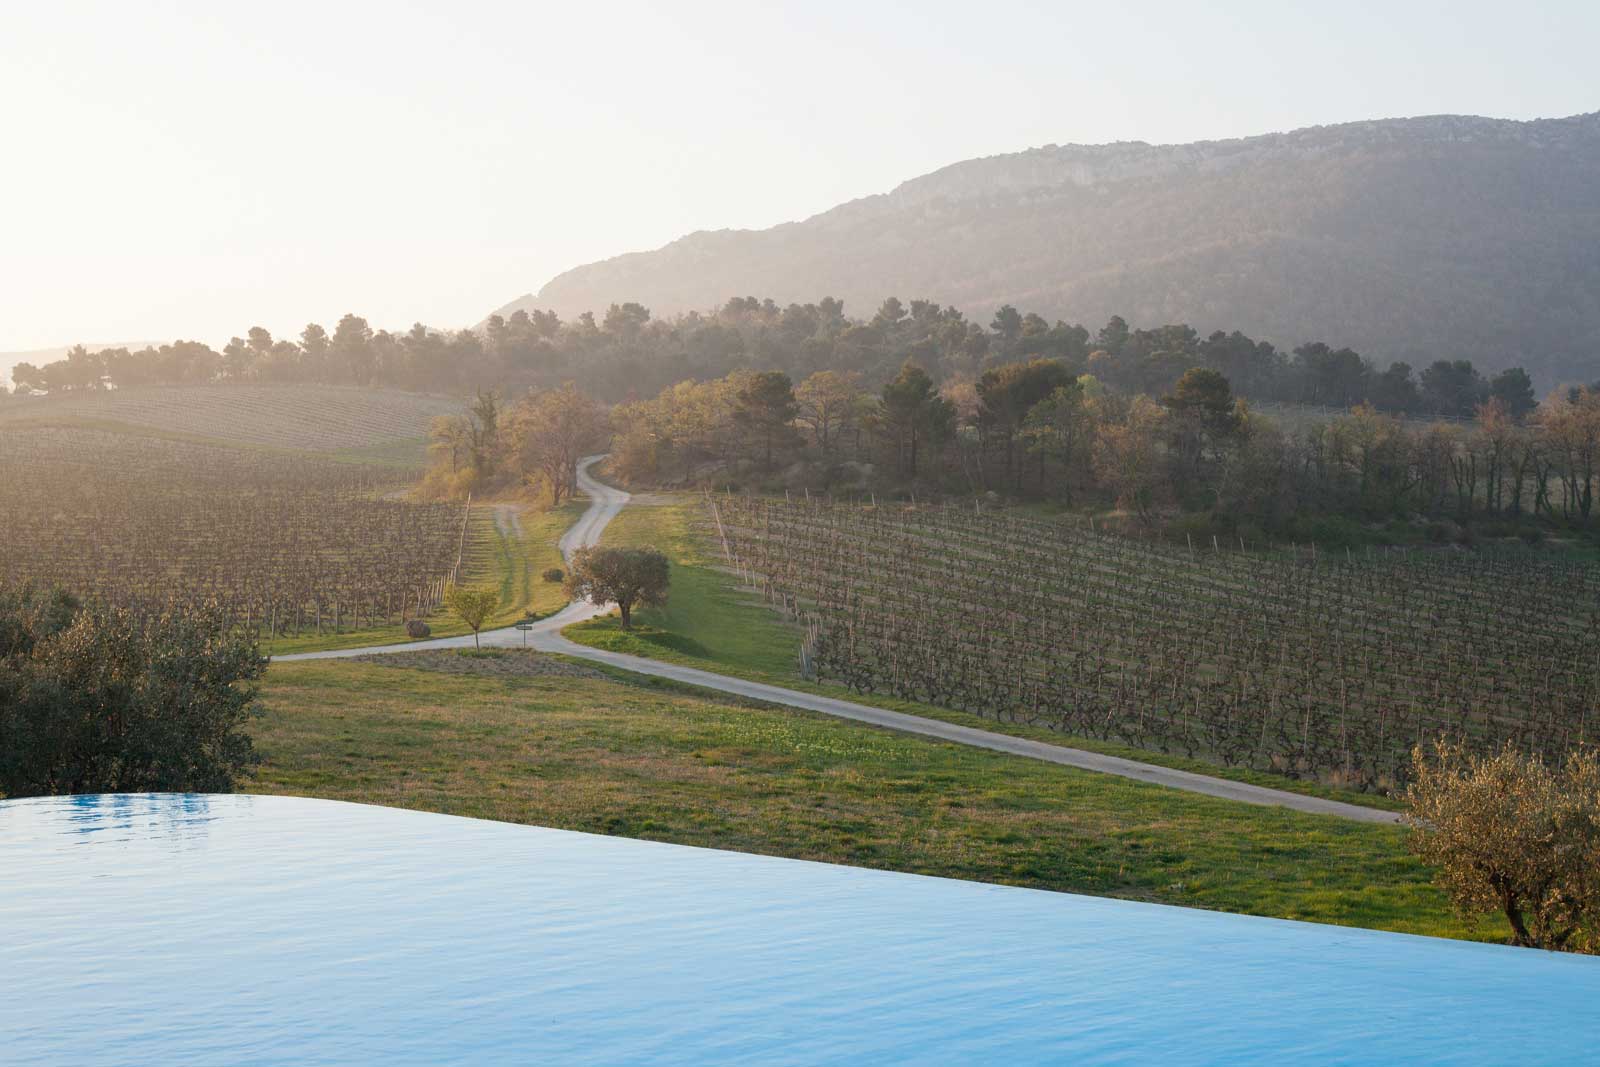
1444	236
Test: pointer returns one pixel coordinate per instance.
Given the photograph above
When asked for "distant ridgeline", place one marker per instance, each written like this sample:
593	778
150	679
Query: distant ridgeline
1407	239
626	353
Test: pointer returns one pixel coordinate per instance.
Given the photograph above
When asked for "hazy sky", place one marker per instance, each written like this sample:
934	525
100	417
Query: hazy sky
192	169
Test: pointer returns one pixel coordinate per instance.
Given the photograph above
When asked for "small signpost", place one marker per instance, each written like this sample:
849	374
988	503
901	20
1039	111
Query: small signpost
525	625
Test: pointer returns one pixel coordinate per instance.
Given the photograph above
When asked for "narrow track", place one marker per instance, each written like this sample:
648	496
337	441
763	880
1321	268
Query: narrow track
604	504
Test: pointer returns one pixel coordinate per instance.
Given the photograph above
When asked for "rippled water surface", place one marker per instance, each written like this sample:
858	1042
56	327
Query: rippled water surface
243	930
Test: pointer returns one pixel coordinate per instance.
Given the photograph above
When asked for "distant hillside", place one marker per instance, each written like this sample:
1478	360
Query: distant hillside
311	418
1416	239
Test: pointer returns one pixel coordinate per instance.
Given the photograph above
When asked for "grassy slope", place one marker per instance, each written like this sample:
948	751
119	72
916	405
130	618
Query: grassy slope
710	623
494	557
647	761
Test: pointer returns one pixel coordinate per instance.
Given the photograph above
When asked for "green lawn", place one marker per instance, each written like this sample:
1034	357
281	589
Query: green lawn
586	752
494	557
711	623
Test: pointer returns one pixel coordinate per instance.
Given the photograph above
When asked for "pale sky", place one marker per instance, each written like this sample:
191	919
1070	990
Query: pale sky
193	169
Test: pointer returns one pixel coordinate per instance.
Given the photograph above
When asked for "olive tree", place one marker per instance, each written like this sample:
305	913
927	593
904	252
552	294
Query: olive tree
628	577
108	700
1509	833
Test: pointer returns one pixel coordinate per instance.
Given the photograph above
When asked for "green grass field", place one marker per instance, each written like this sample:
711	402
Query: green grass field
711	623
588	752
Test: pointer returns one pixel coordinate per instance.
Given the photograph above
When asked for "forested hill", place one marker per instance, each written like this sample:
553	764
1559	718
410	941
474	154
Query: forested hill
1408	239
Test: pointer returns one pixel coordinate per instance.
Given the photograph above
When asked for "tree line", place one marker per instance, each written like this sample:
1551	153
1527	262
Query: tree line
625	354
1040	429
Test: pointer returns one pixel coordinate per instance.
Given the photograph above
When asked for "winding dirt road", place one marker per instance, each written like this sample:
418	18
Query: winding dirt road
604	504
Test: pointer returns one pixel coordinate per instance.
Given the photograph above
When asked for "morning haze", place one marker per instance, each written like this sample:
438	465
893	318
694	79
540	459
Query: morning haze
609	502
417	166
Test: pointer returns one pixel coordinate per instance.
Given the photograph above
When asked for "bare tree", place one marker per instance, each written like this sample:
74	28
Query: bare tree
548	431
828	402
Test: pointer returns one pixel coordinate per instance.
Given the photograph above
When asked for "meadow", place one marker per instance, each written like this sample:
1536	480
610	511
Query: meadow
526	738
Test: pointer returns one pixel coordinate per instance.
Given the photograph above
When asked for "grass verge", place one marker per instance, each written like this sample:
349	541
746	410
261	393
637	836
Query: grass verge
638	760
711	623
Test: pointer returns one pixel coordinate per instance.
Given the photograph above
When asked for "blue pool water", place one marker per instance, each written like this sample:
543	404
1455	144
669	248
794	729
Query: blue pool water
244	930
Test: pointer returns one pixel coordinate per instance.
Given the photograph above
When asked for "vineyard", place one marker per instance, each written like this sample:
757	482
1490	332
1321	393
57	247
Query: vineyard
1312	667
305	417
283	544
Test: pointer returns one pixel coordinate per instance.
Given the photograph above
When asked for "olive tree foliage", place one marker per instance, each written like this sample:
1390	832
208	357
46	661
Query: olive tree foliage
107	700
1507	832
627	577
472	606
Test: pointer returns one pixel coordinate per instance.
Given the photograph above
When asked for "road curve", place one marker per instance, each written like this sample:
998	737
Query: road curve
604	504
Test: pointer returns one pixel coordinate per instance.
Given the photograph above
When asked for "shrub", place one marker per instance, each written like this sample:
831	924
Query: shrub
1507	832
418	628
106	700
554	574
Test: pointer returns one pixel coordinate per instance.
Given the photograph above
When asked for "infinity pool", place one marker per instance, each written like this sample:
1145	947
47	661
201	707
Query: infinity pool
247	930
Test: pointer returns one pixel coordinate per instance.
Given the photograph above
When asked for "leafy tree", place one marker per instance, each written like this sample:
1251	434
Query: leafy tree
910	413
104	700
1203	412
472	606
352	350
1010	391
767	409
259	340
1396	390
314	352
1452	387
1335	377
1508	833
626	321
1514	389
1113	336
627	577
236	359
1059	427
1007	327
890	312
1207	396
27	378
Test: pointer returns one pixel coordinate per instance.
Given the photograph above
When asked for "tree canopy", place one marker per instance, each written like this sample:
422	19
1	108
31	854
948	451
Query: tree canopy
107	700
627	577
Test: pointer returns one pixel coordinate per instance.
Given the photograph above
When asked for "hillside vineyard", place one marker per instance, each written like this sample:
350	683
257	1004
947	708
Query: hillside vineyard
1314	667
323	418
282	544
